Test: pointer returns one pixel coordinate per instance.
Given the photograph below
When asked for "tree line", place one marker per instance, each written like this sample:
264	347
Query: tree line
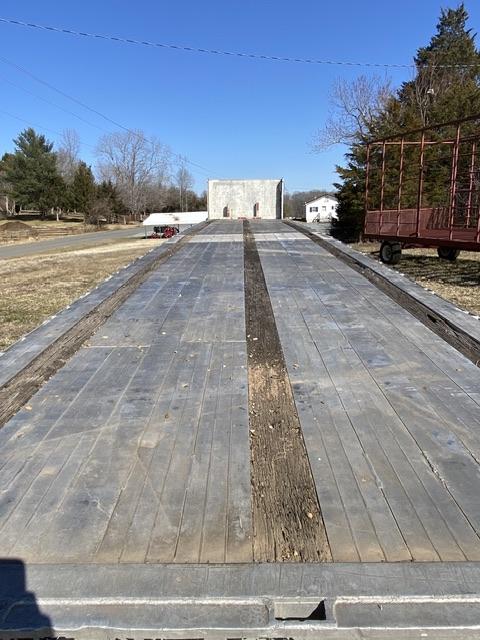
134	175
445	87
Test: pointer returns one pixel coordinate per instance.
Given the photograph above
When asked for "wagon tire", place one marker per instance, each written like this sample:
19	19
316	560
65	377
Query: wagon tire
448	253
390	252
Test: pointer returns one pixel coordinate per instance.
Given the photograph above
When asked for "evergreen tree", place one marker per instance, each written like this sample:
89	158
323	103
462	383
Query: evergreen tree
31	172
351	200
108	193
4	162
83	188
446	86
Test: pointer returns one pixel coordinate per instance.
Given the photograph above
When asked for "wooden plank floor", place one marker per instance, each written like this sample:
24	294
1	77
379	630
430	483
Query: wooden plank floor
137	451
391	426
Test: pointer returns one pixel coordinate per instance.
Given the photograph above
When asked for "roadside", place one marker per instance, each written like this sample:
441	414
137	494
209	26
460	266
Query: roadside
15	232
33	288
60	243
455	281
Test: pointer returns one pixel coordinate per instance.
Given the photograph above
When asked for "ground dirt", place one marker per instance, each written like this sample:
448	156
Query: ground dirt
35	287
16	230
287	520
455	281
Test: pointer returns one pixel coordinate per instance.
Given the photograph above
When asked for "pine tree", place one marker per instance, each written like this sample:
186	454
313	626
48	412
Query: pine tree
107	192
83	188
351	198
31	172
446	86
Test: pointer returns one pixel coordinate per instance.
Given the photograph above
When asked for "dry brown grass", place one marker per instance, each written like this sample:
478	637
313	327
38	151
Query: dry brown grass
35	287
455	281
53	224
46	229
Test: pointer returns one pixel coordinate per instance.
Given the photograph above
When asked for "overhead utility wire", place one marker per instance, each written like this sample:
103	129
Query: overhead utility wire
39	126
91	109
217	52
53	104
31	124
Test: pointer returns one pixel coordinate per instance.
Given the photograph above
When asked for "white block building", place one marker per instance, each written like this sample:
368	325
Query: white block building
321	209
233	199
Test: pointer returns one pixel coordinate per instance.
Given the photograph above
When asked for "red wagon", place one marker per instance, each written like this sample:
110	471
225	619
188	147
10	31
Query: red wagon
422	189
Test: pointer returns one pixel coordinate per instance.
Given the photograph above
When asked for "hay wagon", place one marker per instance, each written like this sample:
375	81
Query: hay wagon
422	189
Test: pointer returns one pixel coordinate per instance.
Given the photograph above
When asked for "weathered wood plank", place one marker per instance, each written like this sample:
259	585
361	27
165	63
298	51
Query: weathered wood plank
27	541
347	328
440	316
287	517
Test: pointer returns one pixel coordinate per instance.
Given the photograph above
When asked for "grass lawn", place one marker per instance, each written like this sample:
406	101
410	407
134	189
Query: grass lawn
45	229
45	224
71	224
457	281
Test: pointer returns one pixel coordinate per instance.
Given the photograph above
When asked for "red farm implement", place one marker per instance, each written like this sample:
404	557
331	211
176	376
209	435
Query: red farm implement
164	231
423	190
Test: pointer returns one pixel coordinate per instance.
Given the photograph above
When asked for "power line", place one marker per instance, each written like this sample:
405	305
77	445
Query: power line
31	124
218	52
95	111
17	86
39	126
62	93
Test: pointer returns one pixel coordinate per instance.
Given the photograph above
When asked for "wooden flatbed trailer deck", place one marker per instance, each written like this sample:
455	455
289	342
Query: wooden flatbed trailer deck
128	490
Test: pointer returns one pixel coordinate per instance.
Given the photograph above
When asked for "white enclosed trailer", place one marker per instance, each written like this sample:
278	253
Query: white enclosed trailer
174	219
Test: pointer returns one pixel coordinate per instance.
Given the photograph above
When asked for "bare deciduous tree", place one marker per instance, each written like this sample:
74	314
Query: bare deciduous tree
133	163
184	181
156	194
355	107
68	154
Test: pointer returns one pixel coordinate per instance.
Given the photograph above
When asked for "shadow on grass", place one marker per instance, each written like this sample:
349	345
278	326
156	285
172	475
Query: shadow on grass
461	273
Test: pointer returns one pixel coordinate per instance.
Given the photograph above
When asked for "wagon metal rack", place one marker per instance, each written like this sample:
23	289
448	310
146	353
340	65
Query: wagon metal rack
422	189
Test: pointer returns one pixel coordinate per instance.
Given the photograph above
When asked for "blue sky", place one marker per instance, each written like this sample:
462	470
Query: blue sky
234	117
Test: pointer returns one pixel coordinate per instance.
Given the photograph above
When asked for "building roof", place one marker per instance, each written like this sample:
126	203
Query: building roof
320	197
245	180
176	217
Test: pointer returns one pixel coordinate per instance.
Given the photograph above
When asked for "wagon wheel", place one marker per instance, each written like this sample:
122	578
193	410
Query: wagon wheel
390	252
448	253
